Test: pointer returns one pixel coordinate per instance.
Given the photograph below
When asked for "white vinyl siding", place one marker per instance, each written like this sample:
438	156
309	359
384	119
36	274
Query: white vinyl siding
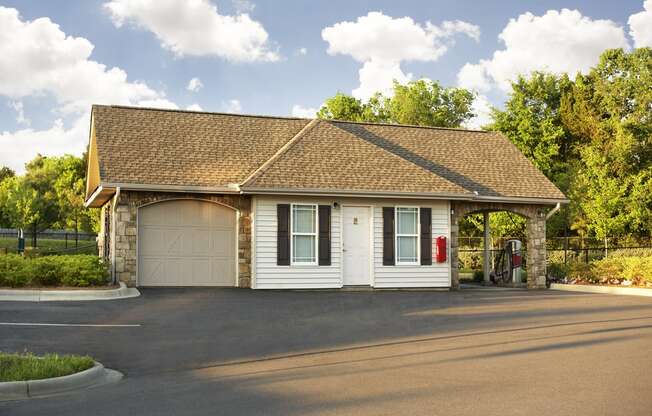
435	275
268	275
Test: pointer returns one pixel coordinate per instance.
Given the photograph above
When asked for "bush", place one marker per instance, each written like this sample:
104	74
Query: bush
70	270
558	271
613	270
478	276
470	260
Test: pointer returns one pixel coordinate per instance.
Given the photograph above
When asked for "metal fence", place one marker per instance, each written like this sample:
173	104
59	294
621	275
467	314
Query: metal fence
558	249
49	242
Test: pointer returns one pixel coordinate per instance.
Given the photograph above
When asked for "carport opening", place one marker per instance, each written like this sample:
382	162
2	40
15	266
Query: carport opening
492	244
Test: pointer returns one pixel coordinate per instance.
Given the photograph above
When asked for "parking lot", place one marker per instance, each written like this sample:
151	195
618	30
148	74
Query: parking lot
230	351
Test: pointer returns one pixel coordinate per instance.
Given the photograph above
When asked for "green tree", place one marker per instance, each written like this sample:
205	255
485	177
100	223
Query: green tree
25	206
610	110
423	103
6	172
70	189
532	120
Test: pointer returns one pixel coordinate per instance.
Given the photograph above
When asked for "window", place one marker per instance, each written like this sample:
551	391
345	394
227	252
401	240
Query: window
407	235
304	234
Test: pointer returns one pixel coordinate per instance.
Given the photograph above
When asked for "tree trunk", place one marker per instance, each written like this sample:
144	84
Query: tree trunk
33	236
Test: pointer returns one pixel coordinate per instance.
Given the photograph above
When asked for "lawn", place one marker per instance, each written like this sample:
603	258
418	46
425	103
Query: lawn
27	366
46	245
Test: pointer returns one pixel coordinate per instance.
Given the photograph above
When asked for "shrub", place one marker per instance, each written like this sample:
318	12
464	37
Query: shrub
579	271
71	270
558	271
26	366
478	276
470	260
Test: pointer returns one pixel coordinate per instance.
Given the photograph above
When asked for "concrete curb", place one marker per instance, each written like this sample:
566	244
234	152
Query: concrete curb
38	295
609	290
94	376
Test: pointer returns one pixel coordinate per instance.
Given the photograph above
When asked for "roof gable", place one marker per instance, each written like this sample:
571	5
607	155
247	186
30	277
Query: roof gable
392	158
167	147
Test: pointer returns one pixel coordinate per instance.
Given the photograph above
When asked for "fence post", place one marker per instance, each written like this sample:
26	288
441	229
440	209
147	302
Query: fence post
565	249
66	240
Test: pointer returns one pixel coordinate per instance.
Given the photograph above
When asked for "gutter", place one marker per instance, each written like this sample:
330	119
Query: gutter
229	189
412	195
553	211
116	198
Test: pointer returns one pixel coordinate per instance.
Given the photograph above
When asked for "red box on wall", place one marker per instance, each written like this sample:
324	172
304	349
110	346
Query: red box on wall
440	249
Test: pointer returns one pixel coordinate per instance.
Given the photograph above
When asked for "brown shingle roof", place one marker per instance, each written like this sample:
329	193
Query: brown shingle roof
146	146
168	147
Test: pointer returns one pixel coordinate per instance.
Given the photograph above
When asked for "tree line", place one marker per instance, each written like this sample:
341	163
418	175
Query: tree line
591	136
50	194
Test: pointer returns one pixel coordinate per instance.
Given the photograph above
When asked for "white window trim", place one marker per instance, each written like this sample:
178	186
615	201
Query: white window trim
315	234
417	235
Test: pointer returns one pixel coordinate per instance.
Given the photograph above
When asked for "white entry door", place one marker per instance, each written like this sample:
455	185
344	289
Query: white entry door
356	245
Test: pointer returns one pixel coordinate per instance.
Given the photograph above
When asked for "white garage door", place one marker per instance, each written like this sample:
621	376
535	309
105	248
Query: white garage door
186	243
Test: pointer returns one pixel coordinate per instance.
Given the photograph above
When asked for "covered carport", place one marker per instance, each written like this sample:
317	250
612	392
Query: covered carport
535	213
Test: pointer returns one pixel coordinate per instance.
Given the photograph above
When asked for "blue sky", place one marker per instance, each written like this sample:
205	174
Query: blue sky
275	57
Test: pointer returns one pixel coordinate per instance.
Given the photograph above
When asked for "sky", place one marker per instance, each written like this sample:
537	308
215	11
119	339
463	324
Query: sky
277	57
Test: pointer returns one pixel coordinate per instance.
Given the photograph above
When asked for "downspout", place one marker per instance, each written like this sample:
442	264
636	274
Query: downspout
116	198
553	211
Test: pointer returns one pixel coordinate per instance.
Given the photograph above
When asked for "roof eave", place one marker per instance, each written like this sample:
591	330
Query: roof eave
227	189
100	196
407	195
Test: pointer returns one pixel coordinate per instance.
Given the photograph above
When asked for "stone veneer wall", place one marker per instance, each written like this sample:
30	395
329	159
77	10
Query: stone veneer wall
125	229
536	237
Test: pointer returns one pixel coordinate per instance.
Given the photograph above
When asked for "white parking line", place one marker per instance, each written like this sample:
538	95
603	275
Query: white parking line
82	325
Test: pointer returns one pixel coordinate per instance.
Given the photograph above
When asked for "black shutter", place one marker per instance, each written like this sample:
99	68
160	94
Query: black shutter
283	235
388	236
324	235
426	236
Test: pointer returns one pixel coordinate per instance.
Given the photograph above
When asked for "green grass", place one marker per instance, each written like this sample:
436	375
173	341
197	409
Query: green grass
45	245
27	366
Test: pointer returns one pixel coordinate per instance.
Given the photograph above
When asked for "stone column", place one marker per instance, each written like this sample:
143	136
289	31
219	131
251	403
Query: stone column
536	251
487	244
454	247
244	249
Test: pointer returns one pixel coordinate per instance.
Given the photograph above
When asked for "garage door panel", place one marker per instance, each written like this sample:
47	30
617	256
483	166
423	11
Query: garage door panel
223	243
221	268
186	243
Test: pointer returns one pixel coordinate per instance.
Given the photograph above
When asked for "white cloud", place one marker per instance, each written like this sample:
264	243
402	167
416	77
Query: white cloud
36	57
558	41
232	106
21	146
20	112
382	43
376	75
482	109
640	25
194	107
302	51
196	28
194	85
299	111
